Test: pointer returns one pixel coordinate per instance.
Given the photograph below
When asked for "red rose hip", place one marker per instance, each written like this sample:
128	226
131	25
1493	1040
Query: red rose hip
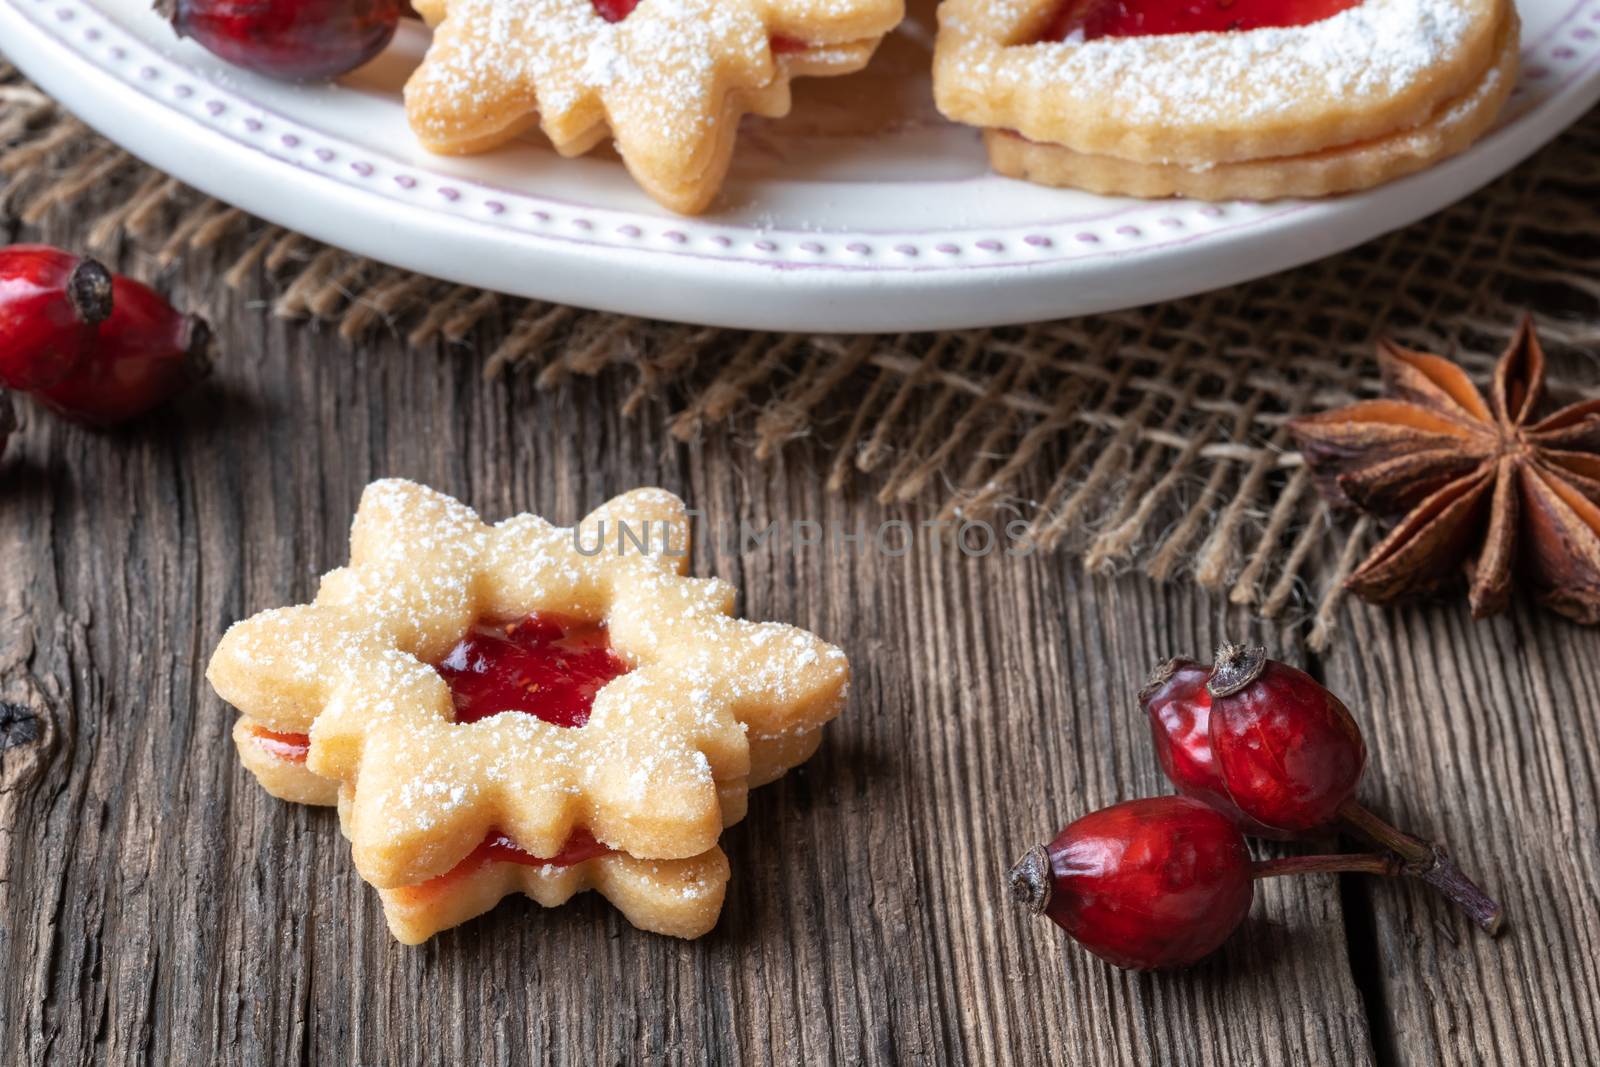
1144	884
1159	883
142	354
91	345
296	40
1179	708
1156	883
1290	752
50	303
1255	736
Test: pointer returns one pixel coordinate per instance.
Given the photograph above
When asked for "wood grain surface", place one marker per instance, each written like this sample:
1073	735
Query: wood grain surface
157	907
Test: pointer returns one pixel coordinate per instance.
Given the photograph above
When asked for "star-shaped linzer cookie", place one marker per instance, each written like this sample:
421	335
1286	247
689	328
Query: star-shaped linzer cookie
666	79
706	707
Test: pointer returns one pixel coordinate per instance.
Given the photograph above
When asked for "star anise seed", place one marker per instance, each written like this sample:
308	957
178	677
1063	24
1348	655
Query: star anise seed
1480	484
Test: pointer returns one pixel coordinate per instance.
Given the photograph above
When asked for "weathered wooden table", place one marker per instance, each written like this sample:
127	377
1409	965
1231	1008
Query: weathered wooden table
156	906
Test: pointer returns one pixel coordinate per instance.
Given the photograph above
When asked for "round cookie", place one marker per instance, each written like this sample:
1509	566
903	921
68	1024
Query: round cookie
1348	100
1344	168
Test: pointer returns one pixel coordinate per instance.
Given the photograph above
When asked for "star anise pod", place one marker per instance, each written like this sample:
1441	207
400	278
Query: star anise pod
1482	485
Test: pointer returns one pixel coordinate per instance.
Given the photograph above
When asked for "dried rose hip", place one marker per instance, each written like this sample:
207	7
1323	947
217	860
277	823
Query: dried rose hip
1144	884
50	304
145	352
93	346
296	40
1156	883
1275	751
1293	752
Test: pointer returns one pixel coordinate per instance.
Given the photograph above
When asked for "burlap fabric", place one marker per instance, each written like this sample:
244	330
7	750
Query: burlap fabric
1150	438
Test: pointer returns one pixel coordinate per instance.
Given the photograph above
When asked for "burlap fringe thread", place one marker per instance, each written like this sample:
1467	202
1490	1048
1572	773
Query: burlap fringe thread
1149	438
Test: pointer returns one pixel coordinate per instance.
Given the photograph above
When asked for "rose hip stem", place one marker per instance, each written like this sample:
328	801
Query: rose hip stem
1382	864
1429	862
1031	883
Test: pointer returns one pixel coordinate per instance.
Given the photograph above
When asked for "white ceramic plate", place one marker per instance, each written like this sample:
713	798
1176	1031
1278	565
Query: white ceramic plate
862	210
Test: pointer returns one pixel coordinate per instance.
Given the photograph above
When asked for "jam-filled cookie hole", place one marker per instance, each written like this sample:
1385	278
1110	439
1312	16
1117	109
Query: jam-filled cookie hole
1155	18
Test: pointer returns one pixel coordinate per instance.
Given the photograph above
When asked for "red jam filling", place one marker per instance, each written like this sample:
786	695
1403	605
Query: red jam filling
580	846
614	10
617	10
543	666
289	747
1154	18
498	848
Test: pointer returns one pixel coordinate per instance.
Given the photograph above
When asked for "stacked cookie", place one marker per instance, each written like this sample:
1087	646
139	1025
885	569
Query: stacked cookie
1238	100
668	82
522	707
